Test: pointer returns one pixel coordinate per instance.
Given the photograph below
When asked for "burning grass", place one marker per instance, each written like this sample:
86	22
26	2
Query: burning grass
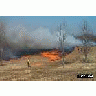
43	70
57	55
52	55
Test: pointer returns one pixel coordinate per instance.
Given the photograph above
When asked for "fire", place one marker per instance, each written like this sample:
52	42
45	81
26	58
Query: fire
52	55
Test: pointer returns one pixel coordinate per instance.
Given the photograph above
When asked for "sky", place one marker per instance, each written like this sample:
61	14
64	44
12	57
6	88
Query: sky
48	20
43	28
33	22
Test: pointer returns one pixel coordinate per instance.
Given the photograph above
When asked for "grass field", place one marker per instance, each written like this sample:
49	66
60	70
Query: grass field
44	70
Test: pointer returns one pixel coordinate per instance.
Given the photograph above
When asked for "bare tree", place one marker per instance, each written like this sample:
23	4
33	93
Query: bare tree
62	34
86	37
2	40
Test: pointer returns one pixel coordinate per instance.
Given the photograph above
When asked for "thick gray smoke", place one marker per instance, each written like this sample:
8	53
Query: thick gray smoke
19	37
39	38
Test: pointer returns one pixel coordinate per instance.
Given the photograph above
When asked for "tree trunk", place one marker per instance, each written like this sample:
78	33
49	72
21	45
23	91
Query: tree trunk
1	56
63	55
86	54
85	57
63	61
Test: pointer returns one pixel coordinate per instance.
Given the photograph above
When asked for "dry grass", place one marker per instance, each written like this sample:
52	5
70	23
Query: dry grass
44	70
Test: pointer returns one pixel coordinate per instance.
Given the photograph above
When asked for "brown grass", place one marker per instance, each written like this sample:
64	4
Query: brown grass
43	70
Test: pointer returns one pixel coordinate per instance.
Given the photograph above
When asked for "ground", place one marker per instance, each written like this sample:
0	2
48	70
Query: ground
44	70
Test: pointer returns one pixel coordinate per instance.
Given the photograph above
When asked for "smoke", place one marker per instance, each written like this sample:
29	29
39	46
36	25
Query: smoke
70	40
40	38
19	37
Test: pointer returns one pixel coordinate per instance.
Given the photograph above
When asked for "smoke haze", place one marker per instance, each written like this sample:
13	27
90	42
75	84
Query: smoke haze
24	36
39	38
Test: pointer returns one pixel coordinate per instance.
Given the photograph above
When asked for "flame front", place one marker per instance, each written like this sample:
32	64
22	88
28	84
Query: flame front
52	55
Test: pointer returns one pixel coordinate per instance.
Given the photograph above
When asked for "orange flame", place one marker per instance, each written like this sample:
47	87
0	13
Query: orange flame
52	55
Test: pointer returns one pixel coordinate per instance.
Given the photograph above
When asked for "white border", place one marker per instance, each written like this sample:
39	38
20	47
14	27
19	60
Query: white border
47	8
